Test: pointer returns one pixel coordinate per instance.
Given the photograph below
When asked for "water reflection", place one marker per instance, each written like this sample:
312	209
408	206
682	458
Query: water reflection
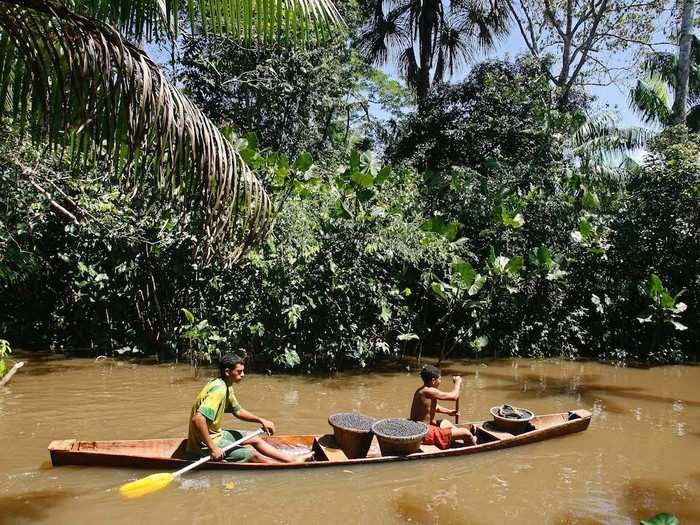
441	507
643	498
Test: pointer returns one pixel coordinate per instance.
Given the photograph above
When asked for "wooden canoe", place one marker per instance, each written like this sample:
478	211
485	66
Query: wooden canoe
169	453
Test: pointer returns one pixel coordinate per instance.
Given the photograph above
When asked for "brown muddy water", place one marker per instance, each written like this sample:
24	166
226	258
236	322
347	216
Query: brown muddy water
638	457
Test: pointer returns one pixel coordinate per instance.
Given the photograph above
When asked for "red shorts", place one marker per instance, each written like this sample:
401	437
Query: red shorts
440	437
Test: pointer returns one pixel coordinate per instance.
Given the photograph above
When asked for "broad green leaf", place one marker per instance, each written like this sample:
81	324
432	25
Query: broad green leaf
291	358
544	257
355	160
479	283
654	286
466	272
661	519
439	290
436	224
514	265
406	292
383	175
450	231
362	179
666	300
188	315
517	221
408	337
252	140
303	162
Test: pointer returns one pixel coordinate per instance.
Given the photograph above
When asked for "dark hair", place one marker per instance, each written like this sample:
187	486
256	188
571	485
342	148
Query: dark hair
428	373
229	361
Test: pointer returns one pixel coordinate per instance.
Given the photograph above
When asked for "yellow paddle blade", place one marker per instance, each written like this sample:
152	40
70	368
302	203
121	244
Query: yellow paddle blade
143	486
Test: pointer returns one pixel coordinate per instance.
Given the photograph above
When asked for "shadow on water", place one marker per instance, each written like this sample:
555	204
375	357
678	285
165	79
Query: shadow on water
31	506
535	386
50	369
428	511
644	498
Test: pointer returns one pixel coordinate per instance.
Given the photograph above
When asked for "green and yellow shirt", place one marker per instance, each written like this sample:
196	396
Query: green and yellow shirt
214	399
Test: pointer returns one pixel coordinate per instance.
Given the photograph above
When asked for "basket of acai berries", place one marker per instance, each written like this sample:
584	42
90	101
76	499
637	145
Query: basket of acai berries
398	437
352	432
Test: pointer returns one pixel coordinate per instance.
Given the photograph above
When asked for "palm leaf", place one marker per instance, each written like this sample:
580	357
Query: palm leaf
599	139
652	100
383	35
80	87
154	20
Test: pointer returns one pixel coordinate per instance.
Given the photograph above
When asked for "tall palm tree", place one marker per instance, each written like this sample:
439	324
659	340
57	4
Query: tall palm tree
653	97
72	75
431	38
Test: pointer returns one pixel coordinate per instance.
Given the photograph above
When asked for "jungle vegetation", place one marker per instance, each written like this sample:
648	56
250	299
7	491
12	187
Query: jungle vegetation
259	184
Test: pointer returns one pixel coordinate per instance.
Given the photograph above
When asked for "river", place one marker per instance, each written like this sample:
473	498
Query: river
638	457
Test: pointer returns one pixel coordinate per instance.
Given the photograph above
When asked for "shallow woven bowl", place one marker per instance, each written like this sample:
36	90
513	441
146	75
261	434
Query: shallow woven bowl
355	443
398	446
513	426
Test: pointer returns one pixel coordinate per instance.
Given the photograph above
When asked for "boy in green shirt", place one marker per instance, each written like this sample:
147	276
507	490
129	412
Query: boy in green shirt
205	433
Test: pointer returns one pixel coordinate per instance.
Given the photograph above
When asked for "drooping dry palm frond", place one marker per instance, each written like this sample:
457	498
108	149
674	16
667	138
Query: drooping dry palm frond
78	86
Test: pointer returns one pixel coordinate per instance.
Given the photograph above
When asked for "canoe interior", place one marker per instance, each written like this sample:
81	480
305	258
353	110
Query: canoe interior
156	453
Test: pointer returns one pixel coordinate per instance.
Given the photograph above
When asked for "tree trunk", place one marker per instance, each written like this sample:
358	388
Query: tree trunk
681	102
426	23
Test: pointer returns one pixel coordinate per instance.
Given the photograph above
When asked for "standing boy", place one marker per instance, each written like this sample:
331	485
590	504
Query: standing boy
205	433
424	407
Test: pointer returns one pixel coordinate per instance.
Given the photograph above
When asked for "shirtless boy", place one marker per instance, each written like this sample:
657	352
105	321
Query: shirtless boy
424	407
205	432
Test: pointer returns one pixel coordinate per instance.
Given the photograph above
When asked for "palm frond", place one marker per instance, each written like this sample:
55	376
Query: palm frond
454	44
486	22
652	100
157	19
408	66
662	66
599	139
80	87
381	36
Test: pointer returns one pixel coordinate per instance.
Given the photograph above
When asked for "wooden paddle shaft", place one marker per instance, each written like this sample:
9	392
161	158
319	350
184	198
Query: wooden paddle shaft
224	449
457	414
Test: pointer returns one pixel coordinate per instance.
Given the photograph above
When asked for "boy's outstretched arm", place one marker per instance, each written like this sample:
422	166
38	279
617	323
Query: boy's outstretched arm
452	395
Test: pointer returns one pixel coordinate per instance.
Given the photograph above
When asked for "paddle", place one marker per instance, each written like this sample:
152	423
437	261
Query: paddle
457	410
156	482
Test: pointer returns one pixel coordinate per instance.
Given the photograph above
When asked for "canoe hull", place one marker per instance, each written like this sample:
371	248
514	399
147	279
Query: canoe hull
169	454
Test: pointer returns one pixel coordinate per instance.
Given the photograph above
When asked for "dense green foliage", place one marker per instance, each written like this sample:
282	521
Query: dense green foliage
485	228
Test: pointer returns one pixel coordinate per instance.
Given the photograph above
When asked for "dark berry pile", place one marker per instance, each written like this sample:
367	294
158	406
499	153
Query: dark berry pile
400	428
352	421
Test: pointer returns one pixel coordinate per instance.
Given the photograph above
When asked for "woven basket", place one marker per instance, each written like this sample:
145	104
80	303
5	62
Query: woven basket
514	426
398	446
354	443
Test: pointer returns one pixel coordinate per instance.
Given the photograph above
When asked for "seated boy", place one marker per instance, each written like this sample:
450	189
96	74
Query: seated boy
424	407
